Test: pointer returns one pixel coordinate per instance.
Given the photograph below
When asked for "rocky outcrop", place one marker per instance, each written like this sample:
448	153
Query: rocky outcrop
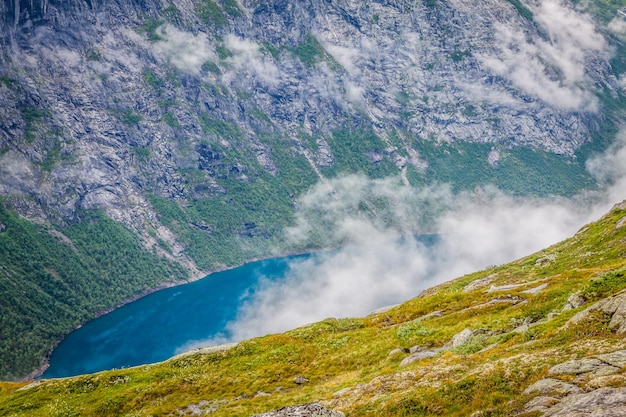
614	306
460	338
304	410
419	355
596	390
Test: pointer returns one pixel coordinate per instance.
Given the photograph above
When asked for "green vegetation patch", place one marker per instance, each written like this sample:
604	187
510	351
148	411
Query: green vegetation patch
149	28
310	52
142	153
7	82
604	285
359	150
53	280
210	13
521	171
152	80
211	67
171	120
219	128
130	118
232	8
33	117
227	229
522	10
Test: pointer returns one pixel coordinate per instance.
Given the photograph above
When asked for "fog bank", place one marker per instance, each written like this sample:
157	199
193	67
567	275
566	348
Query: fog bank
378	262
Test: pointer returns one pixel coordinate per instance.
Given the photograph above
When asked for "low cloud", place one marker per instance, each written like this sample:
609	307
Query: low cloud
184	50
347	57
610	171
247	56
551	68
377	260
618	25
622	82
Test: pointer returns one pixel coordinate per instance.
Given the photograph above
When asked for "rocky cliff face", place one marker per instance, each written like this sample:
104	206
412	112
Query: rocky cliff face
112	105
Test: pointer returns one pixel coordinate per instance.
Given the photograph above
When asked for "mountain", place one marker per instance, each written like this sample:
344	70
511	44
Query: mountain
543	335
181	134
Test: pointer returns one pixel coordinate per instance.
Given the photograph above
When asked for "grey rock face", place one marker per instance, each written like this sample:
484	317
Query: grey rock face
479	283
617	359
551	386
574	301
601	402
105	103
577	367
299	380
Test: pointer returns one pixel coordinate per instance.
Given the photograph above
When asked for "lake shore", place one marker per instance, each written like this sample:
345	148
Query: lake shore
39	371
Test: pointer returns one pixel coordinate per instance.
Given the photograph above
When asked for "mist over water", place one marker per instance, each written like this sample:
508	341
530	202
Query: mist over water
374	267
377	261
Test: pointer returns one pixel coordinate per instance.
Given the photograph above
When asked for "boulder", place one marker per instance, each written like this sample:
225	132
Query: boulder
615	306
461	338
601	402
419	356
479	283
535	290
551	386
576	367
398	351
300	380
415	349
574	301
617	358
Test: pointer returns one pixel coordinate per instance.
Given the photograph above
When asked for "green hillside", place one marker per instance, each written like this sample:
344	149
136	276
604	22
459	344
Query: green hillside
54	279
542	333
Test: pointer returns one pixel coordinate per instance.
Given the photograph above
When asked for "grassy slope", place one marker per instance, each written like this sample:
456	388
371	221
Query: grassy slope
354	353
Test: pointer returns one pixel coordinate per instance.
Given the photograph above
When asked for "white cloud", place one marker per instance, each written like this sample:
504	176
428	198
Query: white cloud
622	82
373	266
247	56
347	57
618	25
551	69
378	268
354	92
113	48
184	50
610	170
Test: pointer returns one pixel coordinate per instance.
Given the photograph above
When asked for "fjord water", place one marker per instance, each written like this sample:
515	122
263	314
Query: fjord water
164	323
154	327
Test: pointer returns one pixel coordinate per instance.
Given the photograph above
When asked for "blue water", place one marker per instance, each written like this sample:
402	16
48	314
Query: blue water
162	324
154	327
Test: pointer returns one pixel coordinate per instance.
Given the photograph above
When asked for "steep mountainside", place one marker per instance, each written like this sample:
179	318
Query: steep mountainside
196	124
543	335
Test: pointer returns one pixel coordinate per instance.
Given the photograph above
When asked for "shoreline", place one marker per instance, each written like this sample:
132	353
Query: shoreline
38	372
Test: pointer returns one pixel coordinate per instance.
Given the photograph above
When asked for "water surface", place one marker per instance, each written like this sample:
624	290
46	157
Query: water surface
159	325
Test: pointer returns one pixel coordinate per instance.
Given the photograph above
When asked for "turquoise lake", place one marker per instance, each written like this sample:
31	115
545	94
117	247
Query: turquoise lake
164	323
154	327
